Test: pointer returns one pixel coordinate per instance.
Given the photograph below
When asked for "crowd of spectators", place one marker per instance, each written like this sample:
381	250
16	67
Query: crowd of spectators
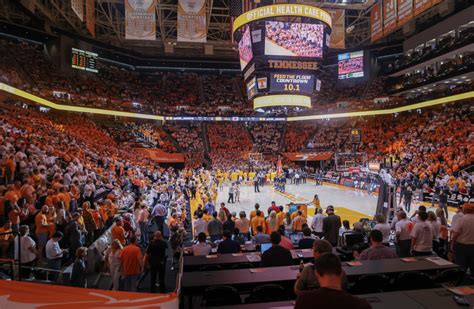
148	135
297	135
229	143
436	142
65	184
123	88
433	72
266	137
432	49
190	139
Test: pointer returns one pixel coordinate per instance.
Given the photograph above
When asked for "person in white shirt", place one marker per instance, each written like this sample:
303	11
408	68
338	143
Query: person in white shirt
459	214
462	244
28	251
422	236
402	230
200	225
435	228
54	253
317	223
202	247
383	227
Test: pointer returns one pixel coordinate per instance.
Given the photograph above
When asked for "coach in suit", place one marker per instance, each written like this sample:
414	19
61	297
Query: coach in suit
331	225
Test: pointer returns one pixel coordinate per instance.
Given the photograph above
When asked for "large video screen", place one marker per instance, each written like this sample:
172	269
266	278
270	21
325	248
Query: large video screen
351	65
84	60
290	82
293	39
245	49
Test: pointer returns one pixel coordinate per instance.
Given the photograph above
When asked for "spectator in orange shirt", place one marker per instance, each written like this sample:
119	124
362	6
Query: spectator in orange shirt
6	240
10	169
298	221
42	229
131	261
253	213
258	220
118	232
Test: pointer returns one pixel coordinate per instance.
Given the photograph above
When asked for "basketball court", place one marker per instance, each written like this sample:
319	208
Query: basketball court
349	203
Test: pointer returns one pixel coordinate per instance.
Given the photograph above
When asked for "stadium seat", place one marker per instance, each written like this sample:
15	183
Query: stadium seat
221	296
210	267
413	280
370	284
267	293
242	266
450	277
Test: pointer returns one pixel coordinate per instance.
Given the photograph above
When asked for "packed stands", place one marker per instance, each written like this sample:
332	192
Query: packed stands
266	137
190	139
229	143
297	135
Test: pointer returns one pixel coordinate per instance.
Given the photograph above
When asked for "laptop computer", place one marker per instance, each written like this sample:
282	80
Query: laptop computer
265	247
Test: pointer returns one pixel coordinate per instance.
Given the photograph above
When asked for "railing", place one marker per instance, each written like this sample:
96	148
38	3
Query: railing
16	266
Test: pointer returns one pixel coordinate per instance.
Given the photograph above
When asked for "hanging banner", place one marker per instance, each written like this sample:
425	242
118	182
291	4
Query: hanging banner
338	33
389	16
90	16
376	30
192	21
78	8
140	20
419	6
405	11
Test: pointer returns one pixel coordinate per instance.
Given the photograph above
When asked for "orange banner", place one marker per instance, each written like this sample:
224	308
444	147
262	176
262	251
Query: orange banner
161	156
338	32
389	16
310	156
16	294
419	6
405	11
90	16
376	31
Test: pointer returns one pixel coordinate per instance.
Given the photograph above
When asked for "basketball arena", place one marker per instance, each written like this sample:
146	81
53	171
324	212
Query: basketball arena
236	154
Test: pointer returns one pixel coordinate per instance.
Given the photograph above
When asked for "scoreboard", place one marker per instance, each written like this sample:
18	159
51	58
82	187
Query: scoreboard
84	60
280	55
291	82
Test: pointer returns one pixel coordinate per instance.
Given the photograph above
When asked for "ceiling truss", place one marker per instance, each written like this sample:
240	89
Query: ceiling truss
110	24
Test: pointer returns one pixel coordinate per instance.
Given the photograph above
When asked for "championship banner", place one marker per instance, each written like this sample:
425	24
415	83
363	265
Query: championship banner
389	16
192	21
419	6
78	8
90	16
405	11
140	20
17	294
376	31
338	33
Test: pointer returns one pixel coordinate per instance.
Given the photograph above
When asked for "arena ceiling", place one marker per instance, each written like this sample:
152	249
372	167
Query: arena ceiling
54	15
